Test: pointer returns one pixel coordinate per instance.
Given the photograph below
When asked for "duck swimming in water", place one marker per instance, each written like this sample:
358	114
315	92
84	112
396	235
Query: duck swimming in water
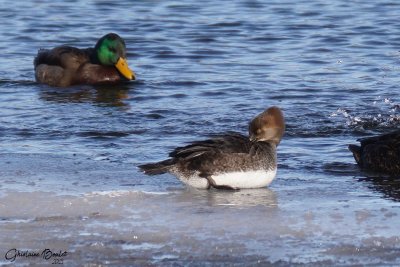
379	153
230	160
65	65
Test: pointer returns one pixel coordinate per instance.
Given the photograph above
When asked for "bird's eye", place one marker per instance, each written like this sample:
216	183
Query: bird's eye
112	49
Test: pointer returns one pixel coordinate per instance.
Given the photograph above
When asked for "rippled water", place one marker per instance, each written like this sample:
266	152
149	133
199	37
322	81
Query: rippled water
68	156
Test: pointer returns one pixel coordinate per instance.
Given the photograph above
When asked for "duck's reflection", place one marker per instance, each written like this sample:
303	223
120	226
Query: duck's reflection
109	95
244	197
386	185
241	198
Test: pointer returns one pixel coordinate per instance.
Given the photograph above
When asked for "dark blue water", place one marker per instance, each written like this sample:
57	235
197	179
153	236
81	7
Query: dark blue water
69	155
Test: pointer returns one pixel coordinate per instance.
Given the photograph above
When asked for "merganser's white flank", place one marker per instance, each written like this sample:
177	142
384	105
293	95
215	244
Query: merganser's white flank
230	160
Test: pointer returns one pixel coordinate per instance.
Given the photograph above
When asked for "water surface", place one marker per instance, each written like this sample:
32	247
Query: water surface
68	156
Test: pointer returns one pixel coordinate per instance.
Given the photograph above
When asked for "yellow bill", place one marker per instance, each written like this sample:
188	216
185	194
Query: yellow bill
123	68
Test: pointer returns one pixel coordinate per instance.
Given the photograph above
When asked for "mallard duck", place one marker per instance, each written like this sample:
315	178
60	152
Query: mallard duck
379	153
65	65
230	160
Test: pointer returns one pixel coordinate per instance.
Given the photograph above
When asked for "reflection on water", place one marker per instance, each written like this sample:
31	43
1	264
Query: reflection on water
389	187
241	198
115	95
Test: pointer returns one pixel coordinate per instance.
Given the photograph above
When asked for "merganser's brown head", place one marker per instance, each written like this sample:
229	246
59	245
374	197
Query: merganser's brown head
268	126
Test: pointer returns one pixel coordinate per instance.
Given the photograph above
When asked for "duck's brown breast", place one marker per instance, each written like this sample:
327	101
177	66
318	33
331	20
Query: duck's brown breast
97	74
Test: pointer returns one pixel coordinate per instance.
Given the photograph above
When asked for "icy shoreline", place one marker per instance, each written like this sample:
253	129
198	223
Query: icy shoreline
98	225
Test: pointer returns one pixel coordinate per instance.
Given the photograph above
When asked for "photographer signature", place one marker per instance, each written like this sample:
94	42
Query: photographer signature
46	254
